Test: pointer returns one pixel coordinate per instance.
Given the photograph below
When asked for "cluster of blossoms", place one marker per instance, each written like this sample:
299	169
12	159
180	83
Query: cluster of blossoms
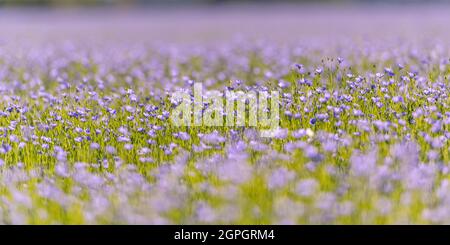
85	135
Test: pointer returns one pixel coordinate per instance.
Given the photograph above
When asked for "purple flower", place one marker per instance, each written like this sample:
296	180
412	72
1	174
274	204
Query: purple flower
307	187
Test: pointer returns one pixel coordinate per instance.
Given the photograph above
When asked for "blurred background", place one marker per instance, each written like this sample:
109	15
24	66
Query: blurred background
59	3
221	20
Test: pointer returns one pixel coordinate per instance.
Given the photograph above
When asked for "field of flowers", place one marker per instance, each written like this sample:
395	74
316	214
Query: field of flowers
86	137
